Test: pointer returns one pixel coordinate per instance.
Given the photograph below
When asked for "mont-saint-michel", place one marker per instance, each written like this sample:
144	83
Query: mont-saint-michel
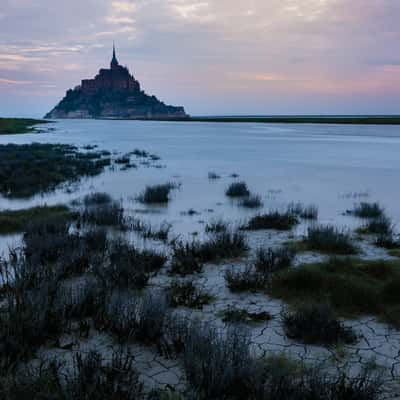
113	93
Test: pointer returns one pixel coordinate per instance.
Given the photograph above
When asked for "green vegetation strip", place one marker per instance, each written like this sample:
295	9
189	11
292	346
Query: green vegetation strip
26	170
13	221
353	287
18	125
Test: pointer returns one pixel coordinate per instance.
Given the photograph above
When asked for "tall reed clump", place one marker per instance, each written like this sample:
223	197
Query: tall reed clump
274	219
90	377
101	212
330	239
157	194
187	294
251	201
189	257
136	318
317	324
126	267
29	316
258	274
367	210
309	212
237	189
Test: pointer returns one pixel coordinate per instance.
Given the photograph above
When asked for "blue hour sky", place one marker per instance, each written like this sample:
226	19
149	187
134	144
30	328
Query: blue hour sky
213	57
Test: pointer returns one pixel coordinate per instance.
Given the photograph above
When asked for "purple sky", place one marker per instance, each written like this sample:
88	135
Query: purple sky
213	57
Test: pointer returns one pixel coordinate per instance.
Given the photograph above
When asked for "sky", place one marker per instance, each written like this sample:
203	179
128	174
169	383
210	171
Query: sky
215	57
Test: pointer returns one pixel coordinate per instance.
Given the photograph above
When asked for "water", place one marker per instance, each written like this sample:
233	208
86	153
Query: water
332	166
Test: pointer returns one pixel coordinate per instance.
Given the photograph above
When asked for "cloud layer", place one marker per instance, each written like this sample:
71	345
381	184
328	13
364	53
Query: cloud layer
214	57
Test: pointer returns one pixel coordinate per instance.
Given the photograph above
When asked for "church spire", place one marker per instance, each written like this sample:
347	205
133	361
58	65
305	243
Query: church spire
114	61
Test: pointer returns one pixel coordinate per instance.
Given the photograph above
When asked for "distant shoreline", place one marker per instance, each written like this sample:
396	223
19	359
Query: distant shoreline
25	125
335	119
354	120
11	126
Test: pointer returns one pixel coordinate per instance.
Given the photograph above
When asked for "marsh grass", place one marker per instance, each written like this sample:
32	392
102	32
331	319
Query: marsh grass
268	261
29	169
221	366
247	279
157	194
188	258
85	299
137	318
217	226
185	260
228	360
109	213
367	210
237	189
351	286
147	231
308	212
329	239
257	275
90	377
128	267
187	294
251	201
52	242
317	324
19	125
228	244
12	221
380	226
28	316
274	219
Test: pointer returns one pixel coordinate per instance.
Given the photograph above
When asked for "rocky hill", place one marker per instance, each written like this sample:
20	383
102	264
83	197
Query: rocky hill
113	93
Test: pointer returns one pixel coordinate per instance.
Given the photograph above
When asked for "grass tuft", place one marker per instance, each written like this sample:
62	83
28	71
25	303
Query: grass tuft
273	220
148	231
237	189
247	279
309	212
380	226
110	213
188	258
186	294
367	210
251	201
157	194
328	239
317	324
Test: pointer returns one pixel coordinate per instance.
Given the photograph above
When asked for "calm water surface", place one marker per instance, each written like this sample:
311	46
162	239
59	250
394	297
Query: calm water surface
327	165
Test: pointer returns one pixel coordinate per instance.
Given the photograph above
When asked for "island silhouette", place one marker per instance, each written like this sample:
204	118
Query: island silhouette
113	93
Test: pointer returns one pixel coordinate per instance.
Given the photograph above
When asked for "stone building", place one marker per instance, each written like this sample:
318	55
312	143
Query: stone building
113	93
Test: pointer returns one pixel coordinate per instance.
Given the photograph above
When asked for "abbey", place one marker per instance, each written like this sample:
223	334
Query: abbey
113	93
